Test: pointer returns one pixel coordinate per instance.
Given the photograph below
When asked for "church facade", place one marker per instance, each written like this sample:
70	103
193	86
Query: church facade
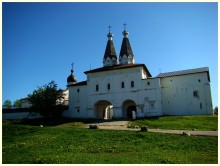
124	89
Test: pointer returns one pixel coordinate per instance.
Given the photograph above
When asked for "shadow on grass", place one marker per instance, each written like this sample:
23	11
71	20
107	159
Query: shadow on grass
50	122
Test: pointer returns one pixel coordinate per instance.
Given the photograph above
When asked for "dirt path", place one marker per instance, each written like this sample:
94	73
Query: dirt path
122	125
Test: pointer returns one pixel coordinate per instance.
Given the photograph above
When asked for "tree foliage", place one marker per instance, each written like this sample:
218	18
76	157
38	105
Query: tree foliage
17	104
216	110
7	104
47	100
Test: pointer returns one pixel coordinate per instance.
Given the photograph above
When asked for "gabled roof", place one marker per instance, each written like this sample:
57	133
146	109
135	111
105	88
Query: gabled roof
119	67
185	72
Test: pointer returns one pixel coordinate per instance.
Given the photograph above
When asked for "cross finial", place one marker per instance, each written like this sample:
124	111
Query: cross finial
125	26
72	64
109	27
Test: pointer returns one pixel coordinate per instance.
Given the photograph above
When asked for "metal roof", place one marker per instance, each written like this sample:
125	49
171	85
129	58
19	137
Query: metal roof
118	67
126	48
110	50
184	72
78	84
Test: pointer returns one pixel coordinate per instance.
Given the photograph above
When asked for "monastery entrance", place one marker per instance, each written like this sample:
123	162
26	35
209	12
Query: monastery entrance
103	110
129	109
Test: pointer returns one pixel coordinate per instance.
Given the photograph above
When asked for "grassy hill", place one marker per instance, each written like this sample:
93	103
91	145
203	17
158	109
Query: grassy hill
28	143
209	123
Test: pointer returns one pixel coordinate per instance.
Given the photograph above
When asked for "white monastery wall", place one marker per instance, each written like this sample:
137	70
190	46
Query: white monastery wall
25	104
186	95
151	97
77	102
117	94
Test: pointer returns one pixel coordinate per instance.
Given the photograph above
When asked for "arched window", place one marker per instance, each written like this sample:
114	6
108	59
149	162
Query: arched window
132	84
109	86
97	87
122	84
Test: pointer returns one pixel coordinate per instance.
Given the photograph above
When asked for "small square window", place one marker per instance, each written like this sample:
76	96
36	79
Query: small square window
78	90
152	104
195	93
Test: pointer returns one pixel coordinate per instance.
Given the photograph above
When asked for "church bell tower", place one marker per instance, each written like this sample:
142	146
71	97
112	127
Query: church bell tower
126	55
110	57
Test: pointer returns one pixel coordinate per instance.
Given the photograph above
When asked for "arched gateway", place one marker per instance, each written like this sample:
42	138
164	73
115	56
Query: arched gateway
103	110
129	109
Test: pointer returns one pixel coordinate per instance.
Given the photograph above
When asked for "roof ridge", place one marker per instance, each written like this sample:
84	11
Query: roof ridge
183	72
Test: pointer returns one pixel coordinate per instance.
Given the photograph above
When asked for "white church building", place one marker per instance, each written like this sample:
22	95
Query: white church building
124	89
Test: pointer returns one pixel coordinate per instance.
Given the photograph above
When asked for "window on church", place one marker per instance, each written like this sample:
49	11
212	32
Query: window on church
152	104
195	93
132	84
122	84
97	87
78	90
109	87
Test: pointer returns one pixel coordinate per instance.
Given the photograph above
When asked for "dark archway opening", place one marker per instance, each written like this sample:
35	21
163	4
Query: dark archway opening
129	109
131	112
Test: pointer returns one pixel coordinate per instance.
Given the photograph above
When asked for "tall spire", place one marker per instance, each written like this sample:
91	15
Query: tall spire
110	57
126	55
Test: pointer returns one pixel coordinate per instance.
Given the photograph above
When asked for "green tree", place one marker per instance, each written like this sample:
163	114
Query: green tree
47	100
216	110
7	104
17	104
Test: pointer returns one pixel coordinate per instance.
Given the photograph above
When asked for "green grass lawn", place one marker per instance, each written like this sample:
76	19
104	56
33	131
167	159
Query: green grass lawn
65	143
209	123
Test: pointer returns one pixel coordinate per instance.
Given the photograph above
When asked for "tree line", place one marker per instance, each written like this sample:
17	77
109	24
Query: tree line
46	100
8	104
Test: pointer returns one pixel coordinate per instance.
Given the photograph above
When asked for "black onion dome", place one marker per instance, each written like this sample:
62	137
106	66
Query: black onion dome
71	78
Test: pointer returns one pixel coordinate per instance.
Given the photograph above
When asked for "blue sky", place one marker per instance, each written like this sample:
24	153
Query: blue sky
41	40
